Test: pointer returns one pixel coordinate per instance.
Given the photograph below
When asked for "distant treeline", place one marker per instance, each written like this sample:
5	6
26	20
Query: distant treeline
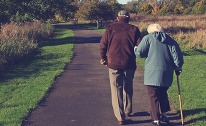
164	7
65	10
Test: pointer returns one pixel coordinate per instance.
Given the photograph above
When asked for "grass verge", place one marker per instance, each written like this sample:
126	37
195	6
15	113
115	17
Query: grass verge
23	86
192	84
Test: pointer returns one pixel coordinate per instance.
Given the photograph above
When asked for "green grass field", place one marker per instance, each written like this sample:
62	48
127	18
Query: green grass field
192	83
23	86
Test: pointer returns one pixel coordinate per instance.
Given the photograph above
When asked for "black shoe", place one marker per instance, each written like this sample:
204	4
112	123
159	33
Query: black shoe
164	119
156	123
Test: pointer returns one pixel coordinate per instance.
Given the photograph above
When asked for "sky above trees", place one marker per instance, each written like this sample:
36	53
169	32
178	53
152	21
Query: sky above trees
123	1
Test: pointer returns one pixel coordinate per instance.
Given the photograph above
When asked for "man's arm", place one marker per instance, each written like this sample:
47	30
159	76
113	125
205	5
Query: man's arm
103	49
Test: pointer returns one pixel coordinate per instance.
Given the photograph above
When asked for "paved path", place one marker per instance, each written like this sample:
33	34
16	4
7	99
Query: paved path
81	95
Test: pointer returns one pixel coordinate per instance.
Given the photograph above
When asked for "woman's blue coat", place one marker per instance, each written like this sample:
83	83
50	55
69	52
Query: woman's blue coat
163	55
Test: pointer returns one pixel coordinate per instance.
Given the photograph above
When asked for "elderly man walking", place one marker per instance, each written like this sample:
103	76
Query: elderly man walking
117	52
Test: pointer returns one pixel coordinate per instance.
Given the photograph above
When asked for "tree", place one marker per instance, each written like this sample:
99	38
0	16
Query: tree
3	12
131	7
8	8
84	10
35	9
97	9
45	9
115	8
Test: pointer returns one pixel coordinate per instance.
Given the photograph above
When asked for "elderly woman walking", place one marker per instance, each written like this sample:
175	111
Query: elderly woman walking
162	56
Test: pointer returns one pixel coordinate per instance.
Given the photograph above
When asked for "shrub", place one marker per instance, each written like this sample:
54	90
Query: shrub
59	17
179	9
163	11
19	40
146	8
13	49
199	8
187	10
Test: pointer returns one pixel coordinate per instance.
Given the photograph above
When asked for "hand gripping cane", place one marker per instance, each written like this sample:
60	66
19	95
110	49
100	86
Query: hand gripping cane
180	100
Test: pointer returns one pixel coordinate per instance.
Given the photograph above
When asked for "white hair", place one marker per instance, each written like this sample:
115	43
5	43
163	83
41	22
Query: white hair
154	28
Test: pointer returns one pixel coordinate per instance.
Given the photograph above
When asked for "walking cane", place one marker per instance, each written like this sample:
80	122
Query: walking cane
180	101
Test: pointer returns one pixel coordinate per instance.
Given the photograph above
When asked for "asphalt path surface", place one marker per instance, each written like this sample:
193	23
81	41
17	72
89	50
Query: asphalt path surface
81	95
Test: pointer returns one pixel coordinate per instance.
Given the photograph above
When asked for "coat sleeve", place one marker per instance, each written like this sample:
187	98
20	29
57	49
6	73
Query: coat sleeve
104	46
142	49
177	55
138	35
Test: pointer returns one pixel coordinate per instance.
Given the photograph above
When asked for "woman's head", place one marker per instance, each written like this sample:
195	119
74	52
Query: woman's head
154	28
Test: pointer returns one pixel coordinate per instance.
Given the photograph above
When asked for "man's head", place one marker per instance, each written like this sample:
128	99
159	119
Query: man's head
123	16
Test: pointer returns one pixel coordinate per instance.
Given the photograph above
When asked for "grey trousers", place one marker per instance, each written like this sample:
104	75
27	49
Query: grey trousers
121	82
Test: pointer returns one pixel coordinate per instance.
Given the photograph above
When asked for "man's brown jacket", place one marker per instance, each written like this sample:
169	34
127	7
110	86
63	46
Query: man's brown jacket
117	45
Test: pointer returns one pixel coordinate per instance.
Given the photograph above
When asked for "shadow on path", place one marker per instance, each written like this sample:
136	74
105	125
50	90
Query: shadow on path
90	26
193	113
